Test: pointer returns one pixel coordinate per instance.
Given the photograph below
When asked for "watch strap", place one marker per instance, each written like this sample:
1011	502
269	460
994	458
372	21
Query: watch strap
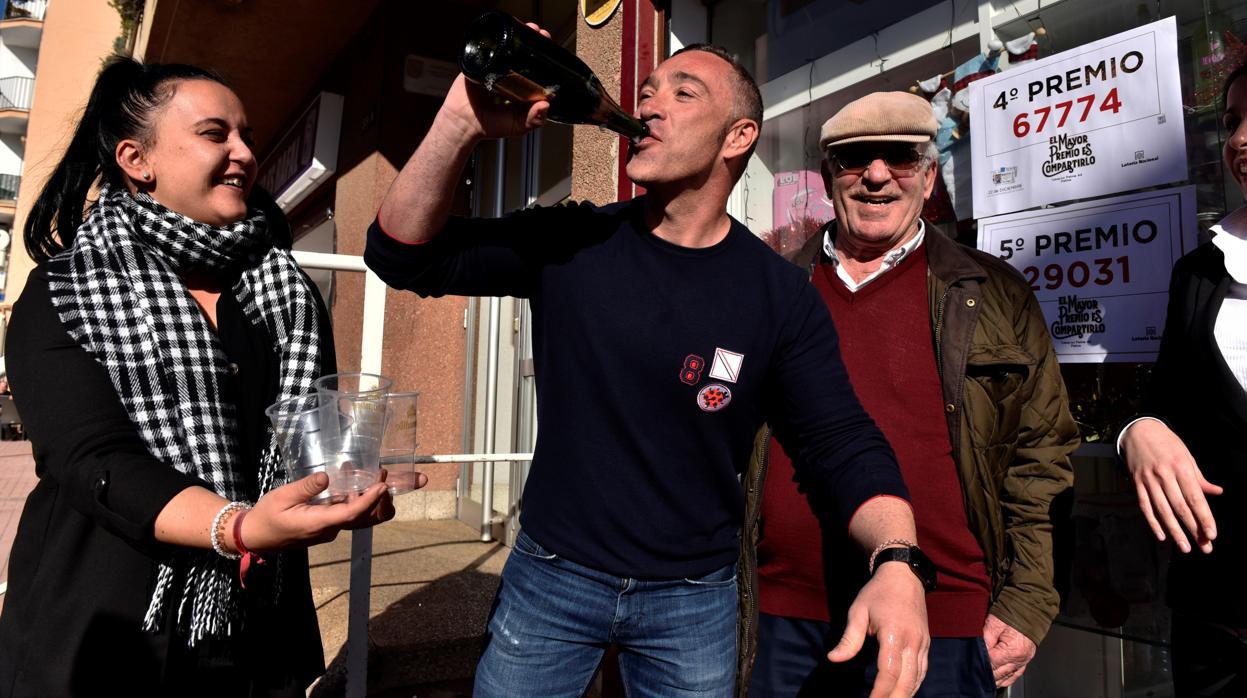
889	543
915	559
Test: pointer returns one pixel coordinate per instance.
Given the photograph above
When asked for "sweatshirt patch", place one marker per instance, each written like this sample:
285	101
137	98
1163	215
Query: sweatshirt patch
714	397
726	366
690	372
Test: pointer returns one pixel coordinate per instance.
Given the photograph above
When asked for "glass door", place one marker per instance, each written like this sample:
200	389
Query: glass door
500	394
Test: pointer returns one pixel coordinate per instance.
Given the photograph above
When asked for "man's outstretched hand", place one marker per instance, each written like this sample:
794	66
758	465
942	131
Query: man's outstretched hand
892	607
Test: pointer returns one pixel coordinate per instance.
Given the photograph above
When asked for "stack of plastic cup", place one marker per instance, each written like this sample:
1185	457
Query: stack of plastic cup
361	399
348	429
314	439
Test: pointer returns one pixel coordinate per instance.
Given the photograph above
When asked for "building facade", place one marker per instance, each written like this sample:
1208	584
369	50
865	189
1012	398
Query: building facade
21	30
46	49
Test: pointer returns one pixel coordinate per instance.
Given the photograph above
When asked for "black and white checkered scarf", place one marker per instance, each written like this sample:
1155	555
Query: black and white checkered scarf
118	294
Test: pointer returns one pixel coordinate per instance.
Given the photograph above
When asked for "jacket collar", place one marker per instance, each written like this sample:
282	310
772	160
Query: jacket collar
950	262
946	260
808	256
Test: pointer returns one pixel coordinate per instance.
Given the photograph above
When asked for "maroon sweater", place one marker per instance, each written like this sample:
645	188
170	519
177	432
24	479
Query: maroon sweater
886	342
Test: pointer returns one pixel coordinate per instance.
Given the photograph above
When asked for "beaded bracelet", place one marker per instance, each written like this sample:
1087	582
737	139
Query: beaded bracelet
890	543
217	530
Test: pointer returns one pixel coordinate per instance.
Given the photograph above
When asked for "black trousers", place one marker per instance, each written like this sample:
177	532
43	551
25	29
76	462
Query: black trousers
1208	660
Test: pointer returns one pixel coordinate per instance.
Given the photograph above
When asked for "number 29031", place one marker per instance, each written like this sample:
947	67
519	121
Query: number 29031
1079	274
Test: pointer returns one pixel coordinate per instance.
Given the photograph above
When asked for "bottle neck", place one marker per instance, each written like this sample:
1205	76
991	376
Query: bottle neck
626	126
613	117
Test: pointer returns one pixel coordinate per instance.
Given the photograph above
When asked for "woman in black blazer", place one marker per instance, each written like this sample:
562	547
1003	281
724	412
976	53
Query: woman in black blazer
1196	435
162	319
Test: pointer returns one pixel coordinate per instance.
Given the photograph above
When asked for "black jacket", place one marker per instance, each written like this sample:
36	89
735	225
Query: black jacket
83	560
1194	391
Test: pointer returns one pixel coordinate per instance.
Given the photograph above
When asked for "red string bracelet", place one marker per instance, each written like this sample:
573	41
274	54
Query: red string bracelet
248	557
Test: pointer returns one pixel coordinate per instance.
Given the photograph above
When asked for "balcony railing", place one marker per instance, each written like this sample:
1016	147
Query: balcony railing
25	9
17	93
9	184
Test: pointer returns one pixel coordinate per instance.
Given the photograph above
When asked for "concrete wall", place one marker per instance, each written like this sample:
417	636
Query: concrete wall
12	152
17	61
595	152
425	341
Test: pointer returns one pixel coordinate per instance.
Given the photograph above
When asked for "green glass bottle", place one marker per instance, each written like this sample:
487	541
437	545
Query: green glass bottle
514	61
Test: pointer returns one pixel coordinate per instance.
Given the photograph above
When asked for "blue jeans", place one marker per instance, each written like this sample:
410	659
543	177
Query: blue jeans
552	620
792	661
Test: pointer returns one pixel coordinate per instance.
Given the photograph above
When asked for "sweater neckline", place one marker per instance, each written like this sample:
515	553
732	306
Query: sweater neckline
636	218
828	269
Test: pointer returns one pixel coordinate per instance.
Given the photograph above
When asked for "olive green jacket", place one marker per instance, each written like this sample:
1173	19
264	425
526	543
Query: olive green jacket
1009	422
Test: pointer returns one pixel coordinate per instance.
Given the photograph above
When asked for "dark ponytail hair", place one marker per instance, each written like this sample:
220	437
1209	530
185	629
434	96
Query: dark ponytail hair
122	103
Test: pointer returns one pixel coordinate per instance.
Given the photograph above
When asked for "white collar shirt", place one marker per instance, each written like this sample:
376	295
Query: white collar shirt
891	258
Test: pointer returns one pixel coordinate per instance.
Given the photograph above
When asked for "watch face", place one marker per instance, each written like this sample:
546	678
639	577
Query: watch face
923	567
917	561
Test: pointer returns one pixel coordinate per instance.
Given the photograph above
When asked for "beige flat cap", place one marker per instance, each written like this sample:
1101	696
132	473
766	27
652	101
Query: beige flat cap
881	116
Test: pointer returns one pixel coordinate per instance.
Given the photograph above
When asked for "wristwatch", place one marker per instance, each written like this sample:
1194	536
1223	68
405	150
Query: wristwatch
915	558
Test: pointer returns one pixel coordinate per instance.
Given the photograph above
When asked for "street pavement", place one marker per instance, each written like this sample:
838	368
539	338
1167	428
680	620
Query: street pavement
432	585
17	479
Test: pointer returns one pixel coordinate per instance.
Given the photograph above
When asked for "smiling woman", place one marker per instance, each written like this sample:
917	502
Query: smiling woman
199	161
1187	457
161	321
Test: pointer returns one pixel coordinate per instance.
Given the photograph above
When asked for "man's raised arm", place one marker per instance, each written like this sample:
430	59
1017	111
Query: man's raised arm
418	202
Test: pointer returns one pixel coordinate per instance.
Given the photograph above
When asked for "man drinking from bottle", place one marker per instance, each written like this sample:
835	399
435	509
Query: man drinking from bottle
664	335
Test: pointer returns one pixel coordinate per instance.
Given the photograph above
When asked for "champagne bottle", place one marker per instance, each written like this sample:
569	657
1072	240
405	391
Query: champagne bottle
516	62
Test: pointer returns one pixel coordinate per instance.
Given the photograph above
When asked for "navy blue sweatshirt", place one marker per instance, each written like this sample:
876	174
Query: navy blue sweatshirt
655	366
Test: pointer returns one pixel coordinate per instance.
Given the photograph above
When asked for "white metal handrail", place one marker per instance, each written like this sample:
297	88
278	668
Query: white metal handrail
371	345
360	586
17	92
471	458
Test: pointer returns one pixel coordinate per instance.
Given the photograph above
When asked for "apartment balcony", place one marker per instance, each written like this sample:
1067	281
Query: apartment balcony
16	96
22	24
9	184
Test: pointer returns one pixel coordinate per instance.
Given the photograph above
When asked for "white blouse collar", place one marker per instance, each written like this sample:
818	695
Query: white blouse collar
1230	235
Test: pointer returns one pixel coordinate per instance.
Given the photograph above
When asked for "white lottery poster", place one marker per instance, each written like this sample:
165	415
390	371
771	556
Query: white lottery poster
1100	269
1100	119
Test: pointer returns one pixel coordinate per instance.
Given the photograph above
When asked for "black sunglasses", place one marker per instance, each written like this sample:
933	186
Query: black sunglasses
901	158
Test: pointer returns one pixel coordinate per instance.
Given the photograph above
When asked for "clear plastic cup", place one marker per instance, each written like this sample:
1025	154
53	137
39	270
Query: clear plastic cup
354	383
361	397
398	442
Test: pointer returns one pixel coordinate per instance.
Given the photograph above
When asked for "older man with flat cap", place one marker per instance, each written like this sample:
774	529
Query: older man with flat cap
948	350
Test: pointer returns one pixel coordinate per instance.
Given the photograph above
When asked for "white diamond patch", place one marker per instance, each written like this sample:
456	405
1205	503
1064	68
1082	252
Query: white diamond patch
726	366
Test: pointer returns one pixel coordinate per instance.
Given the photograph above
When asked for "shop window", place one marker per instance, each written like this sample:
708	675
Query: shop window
1211	43
782	187
785	198
508	175
1109	570
774	37
1116	577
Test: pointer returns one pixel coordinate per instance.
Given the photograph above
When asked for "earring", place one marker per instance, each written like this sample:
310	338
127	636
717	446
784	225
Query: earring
147	176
